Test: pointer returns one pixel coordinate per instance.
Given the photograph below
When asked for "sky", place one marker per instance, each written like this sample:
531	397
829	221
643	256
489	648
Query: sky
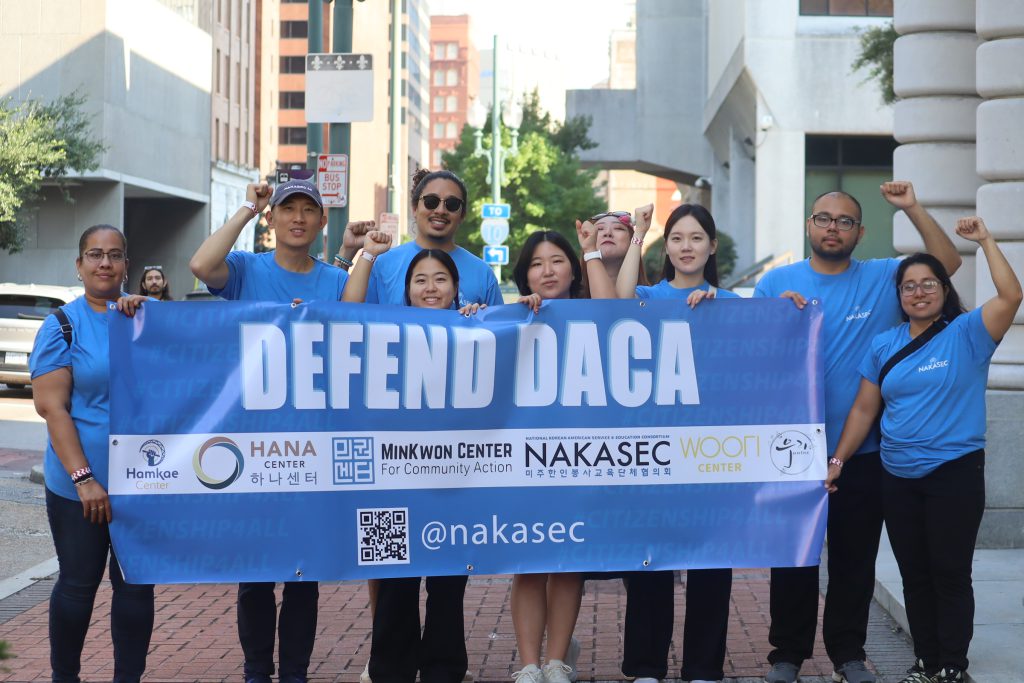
576	30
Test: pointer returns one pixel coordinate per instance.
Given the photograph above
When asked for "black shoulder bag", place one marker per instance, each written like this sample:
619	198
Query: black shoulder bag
913	345
65	324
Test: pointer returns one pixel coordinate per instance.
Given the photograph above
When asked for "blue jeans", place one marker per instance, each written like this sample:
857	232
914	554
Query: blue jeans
82	549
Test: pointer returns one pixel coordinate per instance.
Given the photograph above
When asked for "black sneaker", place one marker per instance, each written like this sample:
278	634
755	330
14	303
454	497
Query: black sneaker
949	674
917	674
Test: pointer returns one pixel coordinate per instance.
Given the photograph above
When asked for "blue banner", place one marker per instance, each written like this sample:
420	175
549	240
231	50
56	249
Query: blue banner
265	442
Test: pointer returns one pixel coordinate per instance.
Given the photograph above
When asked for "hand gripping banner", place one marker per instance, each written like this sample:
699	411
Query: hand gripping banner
262	442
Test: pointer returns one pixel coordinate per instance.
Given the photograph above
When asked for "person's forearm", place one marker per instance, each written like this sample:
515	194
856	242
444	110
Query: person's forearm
64	437
936	241
625	283
855	430
208	262
1005	280
358	282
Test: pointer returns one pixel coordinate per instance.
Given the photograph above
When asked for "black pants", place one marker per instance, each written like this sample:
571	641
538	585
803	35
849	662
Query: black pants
933	525
398	650
854	528
258	620
650	613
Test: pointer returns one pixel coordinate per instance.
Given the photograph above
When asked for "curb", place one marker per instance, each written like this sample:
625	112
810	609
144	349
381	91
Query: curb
36	476
26	578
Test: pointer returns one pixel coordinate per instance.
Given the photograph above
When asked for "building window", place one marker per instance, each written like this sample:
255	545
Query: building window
450	130
438	50
293	99
452	103
438	130
293	65
439	78
294	29
439	104
292	136
452	51
452	77
437	158
847	8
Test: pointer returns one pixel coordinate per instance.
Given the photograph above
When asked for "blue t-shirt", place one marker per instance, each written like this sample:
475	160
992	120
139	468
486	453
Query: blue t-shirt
665	290
257	277
477	284
935	397
859	303
90	391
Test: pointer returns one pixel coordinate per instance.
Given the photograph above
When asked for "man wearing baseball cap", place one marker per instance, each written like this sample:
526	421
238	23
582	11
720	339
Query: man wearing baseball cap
297	218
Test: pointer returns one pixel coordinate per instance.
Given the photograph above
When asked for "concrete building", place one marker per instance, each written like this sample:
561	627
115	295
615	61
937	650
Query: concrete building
454	82
759	100
145	69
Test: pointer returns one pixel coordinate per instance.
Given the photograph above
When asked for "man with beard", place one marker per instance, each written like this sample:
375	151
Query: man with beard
859	300
154	283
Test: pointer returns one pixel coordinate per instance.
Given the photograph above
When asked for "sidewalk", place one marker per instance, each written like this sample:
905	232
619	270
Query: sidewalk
195	634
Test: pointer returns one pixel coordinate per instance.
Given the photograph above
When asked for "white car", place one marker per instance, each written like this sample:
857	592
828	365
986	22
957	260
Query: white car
22	311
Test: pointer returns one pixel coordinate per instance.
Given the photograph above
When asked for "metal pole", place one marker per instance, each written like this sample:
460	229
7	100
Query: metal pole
395	147
341	133
315	131
495	131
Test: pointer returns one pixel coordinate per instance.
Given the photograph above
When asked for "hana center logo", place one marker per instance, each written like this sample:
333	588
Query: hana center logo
212	447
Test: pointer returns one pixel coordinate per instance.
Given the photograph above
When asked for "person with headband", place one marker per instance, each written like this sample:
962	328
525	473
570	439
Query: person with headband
614	231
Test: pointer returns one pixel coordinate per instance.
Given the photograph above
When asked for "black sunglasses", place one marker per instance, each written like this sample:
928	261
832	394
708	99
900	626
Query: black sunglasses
451	204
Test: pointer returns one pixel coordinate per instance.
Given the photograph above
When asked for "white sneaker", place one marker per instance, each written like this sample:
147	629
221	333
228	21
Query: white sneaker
572	656
365	676
529	674
557	671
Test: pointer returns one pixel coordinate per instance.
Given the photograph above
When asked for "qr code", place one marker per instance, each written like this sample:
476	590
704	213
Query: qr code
383	536
353	459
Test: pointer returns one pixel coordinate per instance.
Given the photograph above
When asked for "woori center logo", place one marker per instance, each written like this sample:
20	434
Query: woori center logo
213	452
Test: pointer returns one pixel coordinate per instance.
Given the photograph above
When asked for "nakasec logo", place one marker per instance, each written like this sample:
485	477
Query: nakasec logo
215	448
153	451
792	452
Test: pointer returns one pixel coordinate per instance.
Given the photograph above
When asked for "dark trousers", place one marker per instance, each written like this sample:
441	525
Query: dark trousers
854	528
650	613
933	525
398	650
296	629
82	549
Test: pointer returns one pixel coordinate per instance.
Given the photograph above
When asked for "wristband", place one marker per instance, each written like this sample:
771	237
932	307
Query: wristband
343	260
368	256
252	207
84	481
81	474
638	241
591	255
836	461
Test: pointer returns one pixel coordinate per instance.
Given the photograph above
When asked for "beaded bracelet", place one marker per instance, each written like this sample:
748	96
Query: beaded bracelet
343	260
836	461
81	473
84	480
638	241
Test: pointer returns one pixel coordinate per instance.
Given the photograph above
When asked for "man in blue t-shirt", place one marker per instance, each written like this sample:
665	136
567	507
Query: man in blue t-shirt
859	300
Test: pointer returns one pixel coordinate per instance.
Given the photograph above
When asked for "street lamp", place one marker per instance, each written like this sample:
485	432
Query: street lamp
512	114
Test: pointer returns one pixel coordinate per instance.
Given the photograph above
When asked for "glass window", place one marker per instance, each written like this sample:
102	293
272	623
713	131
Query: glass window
437	158
294	29
438	50
292	136
438	104
452	77
452	51
293	99
847	8
450	130
439	78
452	103
27	306
438	130
293	65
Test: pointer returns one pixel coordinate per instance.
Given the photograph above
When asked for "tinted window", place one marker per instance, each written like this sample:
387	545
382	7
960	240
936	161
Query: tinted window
27	306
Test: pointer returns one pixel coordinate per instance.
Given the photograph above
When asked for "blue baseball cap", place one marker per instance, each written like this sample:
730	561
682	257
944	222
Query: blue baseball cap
293	187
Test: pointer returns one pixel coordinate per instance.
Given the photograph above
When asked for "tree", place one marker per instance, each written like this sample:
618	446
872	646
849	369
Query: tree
876	47
39	143
545	185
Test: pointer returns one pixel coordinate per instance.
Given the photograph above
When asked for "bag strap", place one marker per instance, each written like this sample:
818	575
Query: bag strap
65	324
913	345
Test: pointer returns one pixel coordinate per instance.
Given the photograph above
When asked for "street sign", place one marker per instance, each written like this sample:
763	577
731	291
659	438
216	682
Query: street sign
339	87
332	180
494	230
496	211
496	255
389	223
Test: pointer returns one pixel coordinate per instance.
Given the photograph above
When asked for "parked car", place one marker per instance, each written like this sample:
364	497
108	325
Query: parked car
22	311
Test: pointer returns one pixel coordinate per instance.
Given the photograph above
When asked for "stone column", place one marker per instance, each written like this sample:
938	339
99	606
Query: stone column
934	119
1000	201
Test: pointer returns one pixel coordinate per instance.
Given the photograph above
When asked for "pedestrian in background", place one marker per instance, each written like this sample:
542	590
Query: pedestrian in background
153	283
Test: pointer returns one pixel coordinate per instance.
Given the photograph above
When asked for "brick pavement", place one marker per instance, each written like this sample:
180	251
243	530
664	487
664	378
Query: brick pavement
195	638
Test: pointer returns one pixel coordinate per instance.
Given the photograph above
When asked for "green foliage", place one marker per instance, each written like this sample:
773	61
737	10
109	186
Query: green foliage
544	183
39	143
876	56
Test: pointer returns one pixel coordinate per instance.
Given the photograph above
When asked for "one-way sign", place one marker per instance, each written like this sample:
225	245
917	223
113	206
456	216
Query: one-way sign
496	255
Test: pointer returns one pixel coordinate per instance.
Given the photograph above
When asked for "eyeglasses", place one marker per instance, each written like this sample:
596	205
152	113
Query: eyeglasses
451	204
96	256
623	216
844	223
927	286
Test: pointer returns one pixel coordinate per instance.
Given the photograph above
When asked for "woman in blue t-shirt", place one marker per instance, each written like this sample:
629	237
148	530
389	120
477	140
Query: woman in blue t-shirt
397	649
932	390
690	272
70	388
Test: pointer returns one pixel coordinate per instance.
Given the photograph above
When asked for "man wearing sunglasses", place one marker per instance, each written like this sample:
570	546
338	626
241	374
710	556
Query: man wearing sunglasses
438	208
859	302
